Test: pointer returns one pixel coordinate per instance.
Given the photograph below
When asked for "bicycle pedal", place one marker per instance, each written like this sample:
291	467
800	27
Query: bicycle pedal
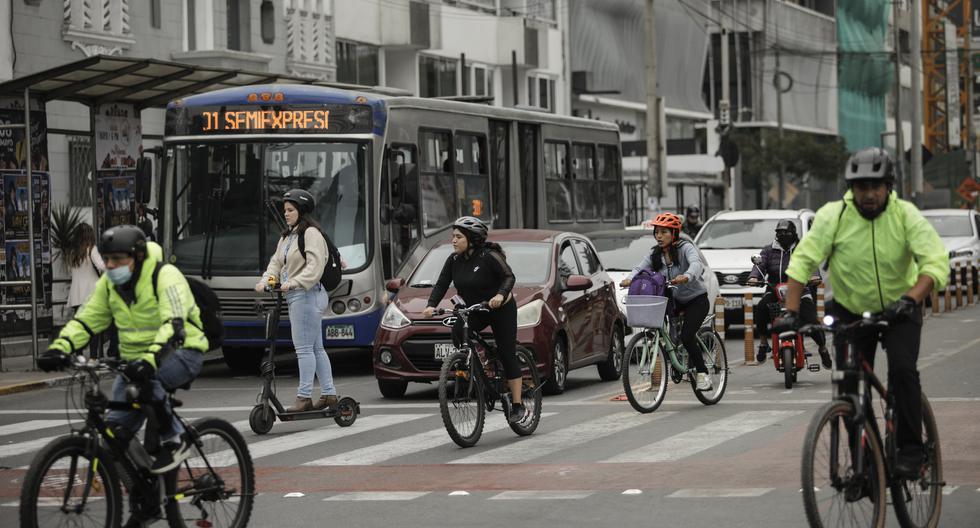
813	367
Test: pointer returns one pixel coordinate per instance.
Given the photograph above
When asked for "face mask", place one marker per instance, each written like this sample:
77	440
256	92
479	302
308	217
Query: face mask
785	240
120	275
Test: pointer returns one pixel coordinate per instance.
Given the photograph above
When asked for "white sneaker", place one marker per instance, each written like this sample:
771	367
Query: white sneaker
704	382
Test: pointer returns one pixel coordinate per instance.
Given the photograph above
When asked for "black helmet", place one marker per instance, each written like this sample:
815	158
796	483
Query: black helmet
692	210
472	225
870	163
123	239
302	199
786	225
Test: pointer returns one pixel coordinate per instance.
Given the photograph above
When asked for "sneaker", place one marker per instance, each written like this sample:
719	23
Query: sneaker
704	382
762	354
326	401
518	413
908	466
301	405
171	455
825	358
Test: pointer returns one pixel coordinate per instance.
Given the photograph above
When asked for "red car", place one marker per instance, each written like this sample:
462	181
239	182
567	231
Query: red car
566	313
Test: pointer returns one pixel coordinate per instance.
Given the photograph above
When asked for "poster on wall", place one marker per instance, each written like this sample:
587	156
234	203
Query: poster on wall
118	136
13	147
116	203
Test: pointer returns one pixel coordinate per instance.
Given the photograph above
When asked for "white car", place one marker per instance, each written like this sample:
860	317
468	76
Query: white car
960	231
621	249
730	238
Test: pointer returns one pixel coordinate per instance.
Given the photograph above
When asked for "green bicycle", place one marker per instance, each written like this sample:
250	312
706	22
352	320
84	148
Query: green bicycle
652	356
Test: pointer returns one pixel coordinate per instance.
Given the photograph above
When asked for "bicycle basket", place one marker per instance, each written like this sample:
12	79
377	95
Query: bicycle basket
645	311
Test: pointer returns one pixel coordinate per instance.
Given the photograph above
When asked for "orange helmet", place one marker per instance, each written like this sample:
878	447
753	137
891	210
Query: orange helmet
668	220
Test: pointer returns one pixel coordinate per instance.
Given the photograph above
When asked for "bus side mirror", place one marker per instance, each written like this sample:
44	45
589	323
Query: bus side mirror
393	285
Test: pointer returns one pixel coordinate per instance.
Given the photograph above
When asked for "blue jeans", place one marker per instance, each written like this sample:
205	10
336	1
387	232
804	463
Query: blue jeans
306	309
178	368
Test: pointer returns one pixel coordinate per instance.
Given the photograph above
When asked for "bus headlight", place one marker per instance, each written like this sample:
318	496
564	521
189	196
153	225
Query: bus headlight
354	305
394	319
530	313
338	307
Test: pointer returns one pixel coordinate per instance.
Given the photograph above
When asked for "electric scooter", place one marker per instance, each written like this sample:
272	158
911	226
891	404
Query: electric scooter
268	409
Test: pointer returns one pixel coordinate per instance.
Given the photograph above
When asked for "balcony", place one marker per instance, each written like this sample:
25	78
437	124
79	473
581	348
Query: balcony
97	28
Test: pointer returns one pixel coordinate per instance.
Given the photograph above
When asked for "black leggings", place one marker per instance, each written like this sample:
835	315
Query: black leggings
695	310
503	322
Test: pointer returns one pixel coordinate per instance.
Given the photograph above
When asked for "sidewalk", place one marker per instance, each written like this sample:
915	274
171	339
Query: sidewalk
17	376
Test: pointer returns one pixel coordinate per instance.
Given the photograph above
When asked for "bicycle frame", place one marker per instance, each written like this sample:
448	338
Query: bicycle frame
471	354
671	350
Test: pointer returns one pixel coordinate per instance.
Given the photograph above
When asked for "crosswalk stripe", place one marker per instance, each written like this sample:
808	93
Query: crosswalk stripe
378	496
712	493
407	445
23	448
540	445
30	425
541	495
704	437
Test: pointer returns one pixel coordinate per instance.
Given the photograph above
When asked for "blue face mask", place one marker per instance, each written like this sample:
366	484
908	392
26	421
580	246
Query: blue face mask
120	275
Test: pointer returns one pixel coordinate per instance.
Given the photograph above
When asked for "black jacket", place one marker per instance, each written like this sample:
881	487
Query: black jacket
477	278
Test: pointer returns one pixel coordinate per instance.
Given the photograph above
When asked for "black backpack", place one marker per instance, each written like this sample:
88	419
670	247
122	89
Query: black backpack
209	305
330	278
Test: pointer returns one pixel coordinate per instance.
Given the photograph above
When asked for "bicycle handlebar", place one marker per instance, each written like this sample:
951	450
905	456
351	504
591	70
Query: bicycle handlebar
868	320
479	307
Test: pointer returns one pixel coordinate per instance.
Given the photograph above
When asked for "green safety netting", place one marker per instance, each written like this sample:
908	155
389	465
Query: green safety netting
864	71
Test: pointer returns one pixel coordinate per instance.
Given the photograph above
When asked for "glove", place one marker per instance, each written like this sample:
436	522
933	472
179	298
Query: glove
51	360
139	370
788	322
900	310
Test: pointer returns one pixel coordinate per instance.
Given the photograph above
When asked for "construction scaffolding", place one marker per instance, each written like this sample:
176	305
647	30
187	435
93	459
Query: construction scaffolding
946	72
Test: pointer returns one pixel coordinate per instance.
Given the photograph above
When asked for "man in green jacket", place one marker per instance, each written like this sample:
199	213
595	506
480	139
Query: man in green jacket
883	257
160	333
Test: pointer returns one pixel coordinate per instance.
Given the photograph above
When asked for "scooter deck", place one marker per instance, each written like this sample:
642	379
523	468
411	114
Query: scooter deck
312	415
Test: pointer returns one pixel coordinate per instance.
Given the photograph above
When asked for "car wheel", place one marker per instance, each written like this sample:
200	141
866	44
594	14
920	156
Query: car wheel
558	372
612	368
242	360
392	388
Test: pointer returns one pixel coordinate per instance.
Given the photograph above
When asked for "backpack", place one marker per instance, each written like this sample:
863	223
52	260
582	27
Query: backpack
209	305
330	278
648	282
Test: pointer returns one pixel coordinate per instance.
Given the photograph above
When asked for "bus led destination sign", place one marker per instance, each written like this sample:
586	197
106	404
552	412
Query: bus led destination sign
269	119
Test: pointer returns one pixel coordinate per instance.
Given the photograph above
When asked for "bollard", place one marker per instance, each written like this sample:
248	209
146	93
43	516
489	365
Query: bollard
957	270
947	299
720	316
820	301
935	302
969	284
749	329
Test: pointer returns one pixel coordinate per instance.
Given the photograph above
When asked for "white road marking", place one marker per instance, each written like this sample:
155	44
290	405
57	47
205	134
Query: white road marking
541	495
402	446
31	425
948	490
936	357
378	496
633	492
459	493
540	445
718	492
704	437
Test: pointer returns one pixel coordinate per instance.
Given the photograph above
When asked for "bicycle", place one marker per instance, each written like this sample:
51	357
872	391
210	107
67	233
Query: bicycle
844	440
75	479
471	383
654	354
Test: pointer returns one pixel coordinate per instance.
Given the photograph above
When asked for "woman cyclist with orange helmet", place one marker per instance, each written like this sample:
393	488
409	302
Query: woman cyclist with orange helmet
678	260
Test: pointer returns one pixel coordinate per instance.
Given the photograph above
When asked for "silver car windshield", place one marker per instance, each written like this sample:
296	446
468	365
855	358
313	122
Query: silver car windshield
951	226
740	234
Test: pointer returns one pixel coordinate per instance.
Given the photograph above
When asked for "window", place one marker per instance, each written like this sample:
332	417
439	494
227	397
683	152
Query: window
437	77
609	183
527	152
155	21
586	187
436	181
590	262
399	207
267	17
500	172
541	92
567	265
239	26
472	178
357	63
482	83
557	182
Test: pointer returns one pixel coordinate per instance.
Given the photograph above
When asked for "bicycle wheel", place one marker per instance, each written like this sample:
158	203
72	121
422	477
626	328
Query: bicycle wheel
461	400
832	494
215	486
63	473
787	356
530	397
918	503
645	372
716	359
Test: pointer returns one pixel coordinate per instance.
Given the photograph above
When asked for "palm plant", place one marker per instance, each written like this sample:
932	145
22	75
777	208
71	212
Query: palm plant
65	224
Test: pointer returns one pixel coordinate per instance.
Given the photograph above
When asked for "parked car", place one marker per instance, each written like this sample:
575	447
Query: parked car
566	315
960	231
621	249
730	238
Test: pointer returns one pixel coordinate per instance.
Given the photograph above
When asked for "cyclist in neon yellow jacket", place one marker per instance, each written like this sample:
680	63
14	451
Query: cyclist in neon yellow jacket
883	257
160	332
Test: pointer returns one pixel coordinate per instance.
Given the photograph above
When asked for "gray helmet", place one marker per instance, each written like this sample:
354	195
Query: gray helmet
870	163
302	199
122	239
473	225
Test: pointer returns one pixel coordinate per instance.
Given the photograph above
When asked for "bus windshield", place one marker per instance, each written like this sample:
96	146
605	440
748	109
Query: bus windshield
228	207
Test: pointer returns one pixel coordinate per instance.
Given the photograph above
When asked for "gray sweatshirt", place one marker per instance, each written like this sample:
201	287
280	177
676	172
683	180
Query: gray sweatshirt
688	263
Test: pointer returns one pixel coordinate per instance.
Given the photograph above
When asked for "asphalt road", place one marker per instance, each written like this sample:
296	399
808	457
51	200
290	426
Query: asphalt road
592	461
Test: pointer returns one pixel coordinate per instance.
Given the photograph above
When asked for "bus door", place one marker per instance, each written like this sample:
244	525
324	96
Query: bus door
500	173
528	136
399	207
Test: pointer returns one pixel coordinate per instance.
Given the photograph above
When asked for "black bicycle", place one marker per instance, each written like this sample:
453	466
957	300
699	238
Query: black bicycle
472	381
846	467
75	479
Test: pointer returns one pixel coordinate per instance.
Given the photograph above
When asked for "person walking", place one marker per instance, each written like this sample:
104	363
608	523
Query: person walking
86	266
298	277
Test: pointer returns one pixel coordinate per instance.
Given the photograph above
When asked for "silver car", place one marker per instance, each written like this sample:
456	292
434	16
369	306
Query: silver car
960	231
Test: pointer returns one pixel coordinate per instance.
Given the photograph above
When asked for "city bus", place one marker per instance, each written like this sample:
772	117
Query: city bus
389	173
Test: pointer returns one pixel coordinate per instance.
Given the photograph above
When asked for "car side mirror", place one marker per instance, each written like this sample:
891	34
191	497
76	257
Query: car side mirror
578	283
756	259
393	285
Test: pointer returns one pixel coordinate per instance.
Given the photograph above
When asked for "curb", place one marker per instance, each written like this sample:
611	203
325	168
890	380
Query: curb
39	384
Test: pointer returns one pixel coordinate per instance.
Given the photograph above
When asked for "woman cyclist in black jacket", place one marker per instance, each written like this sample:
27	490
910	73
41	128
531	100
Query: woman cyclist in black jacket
479	271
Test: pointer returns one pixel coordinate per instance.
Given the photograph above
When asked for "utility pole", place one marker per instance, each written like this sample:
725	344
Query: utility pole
778	81
654	186
725	107
916	143
899	127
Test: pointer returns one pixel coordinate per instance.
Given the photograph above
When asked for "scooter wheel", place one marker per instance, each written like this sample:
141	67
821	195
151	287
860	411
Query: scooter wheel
261	419
346	412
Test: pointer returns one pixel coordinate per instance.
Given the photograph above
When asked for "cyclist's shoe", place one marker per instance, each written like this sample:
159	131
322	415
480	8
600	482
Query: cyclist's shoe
908	466
825	358
856	491
301	405
762	353
171	455
518	413
704	382
326	401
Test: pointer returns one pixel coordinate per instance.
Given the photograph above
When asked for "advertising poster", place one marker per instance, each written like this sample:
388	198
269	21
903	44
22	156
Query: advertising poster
13	147
118	136
116	203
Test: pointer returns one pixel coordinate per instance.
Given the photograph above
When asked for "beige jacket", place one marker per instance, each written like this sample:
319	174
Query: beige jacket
299	272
